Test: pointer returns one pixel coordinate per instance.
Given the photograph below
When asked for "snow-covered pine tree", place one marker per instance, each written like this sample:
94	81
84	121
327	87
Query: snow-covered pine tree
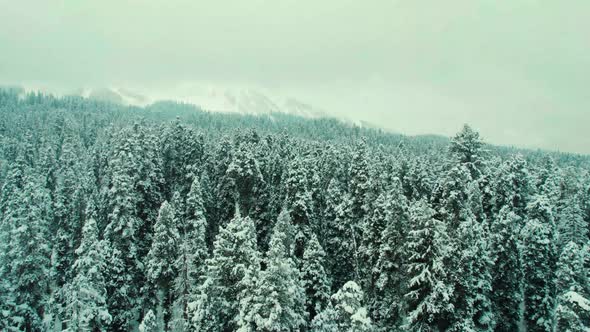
326	320
160	267
570	223
123	232
278	303
429	291
507	273
229	277
472	269
85	297
299	204
149	323
346	312
68	207
539	261
27	261
244	170
512	186
315	278
468	149
190	263
387	271
573	290
341	238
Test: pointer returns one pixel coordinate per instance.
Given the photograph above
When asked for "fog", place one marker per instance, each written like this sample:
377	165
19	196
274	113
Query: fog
518	71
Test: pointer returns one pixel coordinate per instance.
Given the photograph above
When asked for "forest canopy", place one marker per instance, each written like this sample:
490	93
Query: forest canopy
172	218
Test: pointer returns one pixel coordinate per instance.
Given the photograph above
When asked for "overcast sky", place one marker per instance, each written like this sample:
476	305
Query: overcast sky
519	70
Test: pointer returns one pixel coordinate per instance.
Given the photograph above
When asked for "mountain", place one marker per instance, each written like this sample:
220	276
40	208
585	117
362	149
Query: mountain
211	98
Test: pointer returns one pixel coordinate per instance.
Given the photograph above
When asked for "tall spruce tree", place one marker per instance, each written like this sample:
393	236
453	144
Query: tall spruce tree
429	291
229	277
160	268
539	261
85	296
278	303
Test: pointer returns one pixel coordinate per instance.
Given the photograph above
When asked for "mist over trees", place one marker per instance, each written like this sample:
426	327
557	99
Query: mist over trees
171	218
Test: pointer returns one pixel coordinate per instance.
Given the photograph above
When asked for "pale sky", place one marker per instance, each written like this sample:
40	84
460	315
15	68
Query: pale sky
518	71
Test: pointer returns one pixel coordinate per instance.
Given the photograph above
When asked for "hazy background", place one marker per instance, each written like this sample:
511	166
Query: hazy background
519	70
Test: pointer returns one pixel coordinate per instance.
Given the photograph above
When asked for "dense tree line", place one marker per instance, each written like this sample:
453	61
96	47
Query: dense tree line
170	218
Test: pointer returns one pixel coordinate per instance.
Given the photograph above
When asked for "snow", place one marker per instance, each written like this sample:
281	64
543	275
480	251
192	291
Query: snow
575	297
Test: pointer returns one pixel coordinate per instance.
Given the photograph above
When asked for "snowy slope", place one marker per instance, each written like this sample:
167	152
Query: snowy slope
211	98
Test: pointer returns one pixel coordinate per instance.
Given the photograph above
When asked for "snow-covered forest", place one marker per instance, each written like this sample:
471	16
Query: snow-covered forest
170	218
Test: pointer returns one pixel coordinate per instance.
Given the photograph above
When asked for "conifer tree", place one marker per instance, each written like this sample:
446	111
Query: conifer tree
160	267
508	275
387	272
149	323
539	259
467	147
229	277
315	278
347	312
27	262
278	303
85	298
190	264
573	297
429	291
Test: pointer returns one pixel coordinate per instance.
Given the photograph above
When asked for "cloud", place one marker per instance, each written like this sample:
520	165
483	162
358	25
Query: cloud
517	70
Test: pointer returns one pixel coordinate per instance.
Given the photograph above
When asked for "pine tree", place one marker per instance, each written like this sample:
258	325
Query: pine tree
387	275
571	226
68	210
538	256
326	320
279	300
192	253
429	292
508	275
244	170
299	204
573	297
123	232
467	147
513	186
315	278
160	266
27	261
149	323
347	312
473	264
85	297
342	240
230	274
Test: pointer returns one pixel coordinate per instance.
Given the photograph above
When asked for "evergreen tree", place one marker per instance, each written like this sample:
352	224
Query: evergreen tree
299	204
27	262
385	289
473	264
538	256
429	292
279	300
315	278
573	297
571	226
85	297
160	267
229	277
326	321
467	147
508	275
347	312
149	323
192	253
